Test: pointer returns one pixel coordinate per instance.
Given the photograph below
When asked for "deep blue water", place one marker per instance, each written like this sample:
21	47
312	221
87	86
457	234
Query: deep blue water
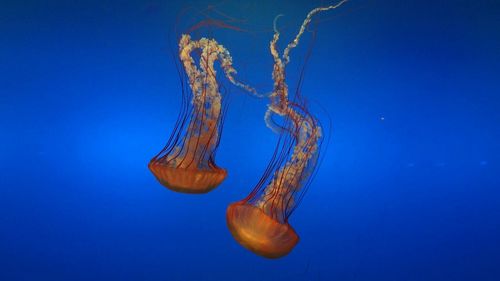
409	186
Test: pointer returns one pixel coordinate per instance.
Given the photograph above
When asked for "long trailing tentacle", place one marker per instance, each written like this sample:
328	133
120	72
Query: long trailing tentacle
278	197
216	50
303	27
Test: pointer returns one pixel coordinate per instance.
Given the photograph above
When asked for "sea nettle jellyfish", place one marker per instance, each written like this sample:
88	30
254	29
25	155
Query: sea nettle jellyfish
187	162
260	221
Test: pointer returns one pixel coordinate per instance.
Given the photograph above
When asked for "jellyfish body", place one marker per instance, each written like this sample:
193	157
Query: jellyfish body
187	163
257	231
260	221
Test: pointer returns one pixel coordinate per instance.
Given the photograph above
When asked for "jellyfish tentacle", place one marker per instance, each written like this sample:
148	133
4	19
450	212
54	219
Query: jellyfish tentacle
218	51
304	25
308	132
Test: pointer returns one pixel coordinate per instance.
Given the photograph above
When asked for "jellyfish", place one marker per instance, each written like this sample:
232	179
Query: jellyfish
187	163
259	222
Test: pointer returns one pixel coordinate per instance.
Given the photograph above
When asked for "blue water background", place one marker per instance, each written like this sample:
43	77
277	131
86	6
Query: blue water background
409	186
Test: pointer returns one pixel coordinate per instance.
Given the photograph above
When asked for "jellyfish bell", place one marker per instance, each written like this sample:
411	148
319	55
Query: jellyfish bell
187	163
258	232
187	181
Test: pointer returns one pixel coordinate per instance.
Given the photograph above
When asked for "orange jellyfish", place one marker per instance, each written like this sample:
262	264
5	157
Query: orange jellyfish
187	162
260	221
